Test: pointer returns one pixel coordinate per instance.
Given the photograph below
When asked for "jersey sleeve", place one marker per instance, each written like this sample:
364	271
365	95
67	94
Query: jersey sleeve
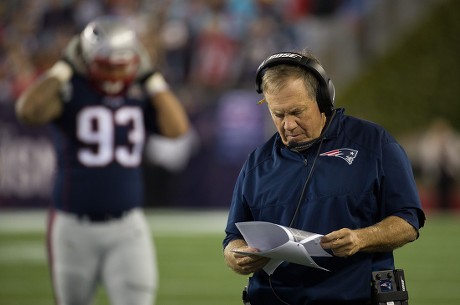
239	210
400	194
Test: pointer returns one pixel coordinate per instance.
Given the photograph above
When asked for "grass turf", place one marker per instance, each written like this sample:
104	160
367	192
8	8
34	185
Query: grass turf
192	270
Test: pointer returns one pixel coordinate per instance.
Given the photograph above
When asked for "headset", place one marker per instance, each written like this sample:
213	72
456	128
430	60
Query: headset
326	90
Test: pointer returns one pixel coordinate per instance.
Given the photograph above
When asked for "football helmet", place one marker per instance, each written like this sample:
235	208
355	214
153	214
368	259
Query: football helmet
111	51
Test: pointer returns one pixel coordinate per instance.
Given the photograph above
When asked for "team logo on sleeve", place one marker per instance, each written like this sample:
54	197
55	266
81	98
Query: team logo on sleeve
346	154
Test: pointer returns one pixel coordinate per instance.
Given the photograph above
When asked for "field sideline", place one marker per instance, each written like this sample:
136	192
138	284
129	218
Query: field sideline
192	270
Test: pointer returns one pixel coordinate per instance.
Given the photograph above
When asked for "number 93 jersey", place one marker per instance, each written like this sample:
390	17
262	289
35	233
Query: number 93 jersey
99	142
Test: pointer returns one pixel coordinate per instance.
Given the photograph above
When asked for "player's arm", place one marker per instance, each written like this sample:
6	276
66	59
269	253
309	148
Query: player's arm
243	264
41	102
387	235
171	115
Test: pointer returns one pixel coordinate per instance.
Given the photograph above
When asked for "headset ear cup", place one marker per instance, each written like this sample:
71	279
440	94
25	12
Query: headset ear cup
331	89
259	76
322	98
327	98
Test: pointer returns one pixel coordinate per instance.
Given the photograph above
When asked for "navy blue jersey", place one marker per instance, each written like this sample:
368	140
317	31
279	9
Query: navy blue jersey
99	142
361	176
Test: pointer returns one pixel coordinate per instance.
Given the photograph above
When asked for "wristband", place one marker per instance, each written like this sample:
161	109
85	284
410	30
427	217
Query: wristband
61	70
156	84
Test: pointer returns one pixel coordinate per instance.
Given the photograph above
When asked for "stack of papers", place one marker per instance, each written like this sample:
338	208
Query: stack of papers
280	243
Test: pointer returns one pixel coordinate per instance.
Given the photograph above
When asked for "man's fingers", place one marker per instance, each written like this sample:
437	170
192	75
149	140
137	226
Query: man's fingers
330	242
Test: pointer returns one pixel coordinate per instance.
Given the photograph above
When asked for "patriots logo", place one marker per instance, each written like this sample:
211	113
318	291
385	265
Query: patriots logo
346	154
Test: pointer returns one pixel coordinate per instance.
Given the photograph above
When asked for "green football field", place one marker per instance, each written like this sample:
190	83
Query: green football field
192	270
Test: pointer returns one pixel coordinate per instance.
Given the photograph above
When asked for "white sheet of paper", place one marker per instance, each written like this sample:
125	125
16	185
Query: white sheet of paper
281	244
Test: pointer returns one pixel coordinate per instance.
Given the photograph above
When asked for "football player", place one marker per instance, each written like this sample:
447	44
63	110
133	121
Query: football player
101	100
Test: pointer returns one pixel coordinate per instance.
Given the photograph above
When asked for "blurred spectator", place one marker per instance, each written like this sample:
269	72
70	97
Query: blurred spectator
57	14
440	161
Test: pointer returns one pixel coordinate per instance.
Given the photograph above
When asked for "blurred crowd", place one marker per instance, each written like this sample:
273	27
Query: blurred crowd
208	44
434	153
208	51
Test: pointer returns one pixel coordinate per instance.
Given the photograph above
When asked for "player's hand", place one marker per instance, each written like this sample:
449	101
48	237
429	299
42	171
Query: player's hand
154	83
343	243
73	56
60	71
146	65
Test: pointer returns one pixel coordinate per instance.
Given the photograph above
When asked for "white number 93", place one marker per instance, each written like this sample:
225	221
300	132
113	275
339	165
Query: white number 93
96	126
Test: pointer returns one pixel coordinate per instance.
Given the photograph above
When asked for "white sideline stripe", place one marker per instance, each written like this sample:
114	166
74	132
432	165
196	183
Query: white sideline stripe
163	222
14	253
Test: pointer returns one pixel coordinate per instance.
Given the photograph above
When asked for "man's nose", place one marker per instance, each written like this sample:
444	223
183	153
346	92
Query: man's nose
289	122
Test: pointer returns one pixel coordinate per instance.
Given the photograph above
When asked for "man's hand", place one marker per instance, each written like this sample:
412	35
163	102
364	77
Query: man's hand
243	264
343	243
387	235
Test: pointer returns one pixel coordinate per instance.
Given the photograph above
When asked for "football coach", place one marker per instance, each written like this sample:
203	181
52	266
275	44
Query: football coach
326	172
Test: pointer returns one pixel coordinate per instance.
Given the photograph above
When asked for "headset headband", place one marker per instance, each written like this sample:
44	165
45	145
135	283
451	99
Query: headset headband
326	89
